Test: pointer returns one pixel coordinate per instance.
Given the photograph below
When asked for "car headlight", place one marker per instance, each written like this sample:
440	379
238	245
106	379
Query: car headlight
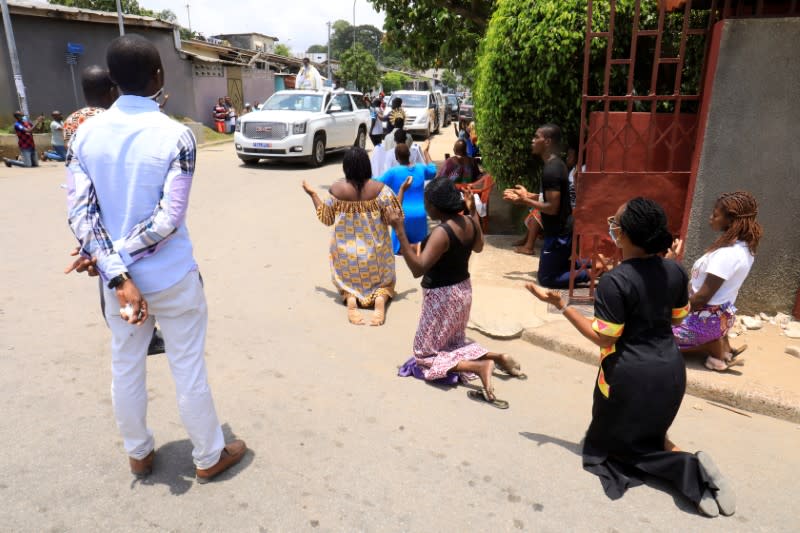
299	129
421	119
238	125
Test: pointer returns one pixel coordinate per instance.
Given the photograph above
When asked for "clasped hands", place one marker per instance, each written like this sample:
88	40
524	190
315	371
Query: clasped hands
127	293
518	195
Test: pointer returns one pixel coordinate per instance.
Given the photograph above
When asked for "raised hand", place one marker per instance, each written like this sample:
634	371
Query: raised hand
675	250
546	295
406	184
469	200
308	189
521	191
394	217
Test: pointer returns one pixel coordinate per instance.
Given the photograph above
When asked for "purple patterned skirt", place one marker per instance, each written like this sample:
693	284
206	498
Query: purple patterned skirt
441	343
703	326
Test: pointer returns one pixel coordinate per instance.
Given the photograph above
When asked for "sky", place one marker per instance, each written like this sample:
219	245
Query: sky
296	23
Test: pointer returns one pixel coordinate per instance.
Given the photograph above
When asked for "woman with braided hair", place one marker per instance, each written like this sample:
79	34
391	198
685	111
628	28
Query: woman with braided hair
361	258
642	376
715	281
441	349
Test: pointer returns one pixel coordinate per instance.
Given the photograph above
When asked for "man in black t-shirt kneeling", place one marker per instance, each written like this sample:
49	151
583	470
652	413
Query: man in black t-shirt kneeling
556	209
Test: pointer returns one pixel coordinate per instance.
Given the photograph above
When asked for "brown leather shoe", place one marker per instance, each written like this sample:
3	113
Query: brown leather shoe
231	454
142	467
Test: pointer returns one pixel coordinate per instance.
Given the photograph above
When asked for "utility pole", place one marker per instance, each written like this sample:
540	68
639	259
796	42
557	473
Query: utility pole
12	52
330	80
119	17
189	16
354	23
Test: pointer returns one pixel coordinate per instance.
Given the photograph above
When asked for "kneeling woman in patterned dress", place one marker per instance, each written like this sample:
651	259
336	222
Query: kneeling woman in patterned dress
441	349
362	262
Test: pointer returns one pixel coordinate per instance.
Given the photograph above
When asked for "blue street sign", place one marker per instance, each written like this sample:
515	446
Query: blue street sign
75	48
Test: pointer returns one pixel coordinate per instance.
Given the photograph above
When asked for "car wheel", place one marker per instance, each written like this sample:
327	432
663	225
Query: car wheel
361	138
318	150
249	160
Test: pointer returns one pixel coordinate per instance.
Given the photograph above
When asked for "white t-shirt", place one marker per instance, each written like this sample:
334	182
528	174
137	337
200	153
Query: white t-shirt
731	263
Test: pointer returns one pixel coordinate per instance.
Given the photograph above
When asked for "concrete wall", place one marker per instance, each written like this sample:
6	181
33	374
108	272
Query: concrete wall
42	45
258	88
206	92
751	142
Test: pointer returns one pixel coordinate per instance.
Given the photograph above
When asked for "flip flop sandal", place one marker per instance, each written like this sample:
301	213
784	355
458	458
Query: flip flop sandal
482	395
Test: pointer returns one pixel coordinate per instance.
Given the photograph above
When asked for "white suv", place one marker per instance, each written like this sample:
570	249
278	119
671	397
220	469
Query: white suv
302	124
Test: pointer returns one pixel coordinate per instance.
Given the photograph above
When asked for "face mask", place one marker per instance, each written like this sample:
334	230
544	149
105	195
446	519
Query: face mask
613	237
157	95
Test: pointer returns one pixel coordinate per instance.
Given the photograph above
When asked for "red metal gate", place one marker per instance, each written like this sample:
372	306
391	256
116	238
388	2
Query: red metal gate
639	121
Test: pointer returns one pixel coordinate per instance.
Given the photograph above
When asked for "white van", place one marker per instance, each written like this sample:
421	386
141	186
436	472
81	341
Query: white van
419	107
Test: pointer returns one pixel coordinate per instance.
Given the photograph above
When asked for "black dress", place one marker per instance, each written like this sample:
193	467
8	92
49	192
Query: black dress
641	380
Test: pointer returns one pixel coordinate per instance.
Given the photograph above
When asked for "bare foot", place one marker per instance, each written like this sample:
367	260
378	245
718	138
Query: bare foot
353	315
520	242
670	446
485	373
379	316
524	251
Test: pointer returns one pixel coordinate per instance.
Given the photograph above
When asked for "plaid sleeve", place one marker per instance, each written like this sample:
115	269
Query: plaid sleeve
146	237
84	220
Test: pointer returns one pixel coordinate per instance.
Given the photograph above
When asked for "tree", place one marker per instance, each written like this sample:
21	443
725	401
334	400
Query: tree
358	66
394	81
282	50
449	79
317	49
436	33
538	79
368	36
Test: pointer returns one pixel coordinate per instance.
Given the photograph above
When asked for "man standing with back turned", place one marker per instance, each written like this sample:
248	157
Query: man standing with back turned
129	175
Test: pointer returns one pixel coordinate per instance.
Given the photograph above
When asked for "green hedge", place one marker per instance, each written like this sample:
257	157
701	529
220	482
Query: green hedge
529	72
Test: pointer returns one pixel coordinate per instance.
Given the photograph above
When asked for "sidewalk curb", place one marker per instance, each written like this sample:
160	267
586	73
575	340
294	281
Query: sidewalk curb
758	402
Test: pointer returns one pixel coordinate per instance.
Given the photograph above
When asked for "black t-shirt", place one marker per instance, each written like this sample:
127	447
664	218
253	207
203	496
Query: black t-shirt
555	178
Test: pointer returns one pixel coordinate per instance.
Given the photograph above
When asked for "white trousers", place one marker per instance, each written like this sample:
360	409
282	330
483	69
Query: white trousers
183	316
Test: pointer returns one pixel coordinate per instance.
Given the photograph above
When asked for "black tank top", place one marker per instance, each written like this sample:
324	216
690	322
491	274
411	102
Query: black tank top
453	266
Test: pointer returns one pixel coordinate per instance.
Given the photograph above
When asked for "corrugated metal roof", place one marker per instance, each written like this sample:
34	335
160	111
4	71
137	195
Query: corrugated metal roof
43	9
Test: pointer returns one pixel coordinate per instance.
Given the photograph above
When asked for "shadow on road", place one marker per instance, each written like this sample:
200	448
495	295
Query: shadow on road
296	165
173	466
542	439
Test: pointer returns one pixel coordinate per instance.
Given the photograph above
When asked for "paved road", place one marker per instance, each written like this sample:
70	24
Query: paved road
339	443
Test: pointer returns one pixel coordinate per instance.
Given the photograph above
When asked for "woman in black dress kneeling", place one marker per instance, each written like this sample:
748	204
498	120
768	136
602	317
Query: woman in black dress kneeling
642	375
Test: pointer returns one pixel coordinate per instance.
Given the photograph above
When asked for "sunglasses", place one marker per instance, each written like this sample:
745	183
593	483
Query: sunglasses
612	222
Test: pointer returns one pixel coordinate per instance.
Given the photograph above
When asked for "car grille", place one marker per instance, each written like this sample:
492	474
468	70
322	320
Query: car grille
265	130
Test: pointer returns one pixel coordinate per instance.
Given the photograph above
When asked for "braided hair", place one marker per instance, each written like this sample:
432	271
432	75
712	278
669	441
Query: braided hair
442	194
741	209
357	168
645	224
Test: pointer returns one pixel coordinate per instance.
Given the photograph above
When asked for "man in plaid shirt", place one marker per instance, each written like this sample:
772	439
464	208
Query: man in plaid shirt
27	148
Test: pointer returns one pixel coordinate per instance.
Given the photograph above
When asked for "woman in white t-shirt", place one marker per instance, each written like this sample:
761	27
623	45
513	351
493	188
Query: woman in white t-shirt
716	279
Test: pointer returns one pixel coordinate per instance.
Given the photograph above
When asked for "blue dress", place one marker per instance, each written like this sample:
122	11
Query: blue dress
416	221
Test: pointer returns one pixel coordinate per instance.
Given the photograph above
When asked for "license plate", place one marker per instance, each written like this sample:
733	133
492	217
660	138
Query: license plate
262	145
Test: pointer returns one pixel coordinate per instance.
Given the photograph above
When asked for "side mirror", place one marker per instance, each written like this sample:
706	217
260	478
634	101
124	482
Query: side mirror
334	108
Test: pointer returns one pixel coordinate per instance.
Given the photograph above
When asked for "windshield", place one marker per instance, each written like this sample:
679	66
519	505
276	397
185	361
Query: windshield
412	100
294	102
452	100
467	101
